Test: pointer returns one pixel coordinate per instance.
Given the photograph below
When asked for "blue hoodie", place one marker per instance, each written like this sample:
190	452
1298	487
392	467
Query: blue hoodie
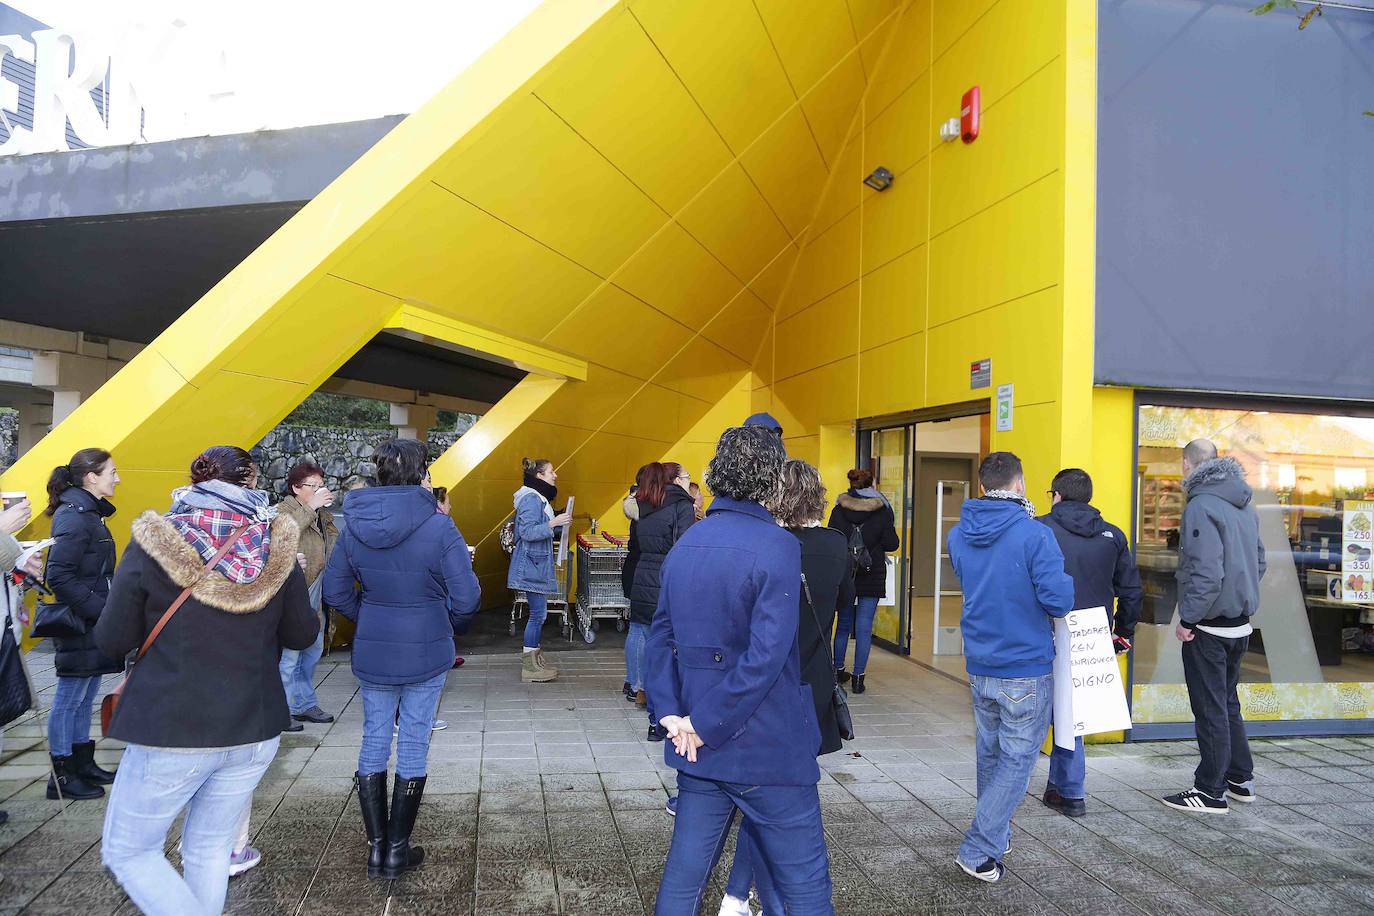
1013	578
416	584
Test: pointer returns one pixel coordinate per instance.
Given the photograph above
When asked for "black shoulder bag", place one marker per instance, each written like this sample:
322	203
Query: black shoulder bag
839	700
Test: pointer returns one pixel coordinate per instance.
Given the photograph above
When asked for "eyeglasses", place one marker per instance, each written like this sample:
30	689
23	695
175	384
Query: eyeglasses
1050	494
314	486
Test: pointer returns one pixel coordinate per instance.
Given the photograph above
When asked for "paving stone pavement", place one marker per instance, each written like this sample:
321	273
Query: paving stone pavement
547	799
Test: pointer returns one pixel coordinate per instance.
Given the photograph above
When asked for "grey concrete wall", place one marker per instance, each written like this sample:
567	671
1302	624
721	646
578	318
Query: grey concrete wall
1235	199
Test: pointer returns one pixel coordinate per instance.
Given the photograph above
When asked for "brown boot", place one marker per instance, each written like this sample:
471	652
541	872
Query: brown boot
532	672
641	699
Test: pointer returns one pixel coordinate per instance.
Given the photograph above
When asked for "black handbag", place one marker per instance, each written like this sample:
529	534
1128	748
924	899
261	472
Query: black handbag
56	619
15	696
839	700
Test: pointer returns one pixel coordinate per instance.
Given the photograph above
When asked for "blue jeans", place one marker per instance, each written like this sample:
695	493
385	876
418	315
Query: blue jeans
69	720
1011	716
634	654
417	703
539	609
1068	770
790	844
748	870
856	619
152	786
297	669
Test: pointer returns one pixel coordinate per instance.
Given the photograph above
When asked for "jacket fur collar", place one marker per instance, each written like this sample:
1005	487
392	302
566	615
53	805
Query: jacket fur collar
1214	470
164	544
858	503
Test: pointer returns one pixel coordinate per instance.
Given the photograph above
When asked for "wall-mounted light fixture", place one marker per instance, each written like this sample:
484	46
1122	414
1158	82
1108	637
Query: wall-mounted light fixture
880	179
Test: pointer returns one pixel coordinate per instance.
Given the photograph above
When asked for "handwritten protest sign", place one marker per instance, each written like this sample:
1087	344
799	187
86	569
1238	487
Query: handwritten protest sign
1088	694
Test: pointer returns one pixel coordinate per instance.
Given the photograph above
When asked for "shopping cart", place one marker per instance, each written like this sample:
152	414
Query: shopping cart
600	595
558	604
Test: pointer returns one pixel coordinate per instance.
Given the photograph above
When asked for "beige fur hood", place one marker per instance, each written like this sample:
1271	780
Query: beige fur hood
162	542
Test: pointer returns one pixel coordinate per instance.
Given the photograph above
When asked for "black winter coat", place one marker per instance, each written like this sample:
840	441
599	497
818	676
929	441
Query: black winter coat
825	564
879	528
1100	562
651	538
210	678
80	565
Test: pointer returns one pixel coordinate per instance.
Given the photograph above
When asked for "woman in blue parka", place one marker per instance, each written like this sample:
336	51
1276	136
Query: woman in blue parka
531	564
403	574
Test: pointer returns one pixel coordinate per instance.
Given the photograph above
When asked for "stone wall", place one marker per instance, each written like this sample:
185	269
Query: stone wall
9	438
345	454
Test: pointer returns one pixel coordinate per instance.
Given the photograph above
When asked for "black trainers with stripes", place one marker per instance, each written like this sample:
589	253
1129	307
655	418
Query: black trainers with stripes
990	871
1197	802
1240	791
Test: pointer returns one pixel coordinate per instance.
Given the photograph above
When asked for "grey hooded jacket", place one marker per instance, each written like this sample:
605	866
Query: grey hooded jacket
1220	556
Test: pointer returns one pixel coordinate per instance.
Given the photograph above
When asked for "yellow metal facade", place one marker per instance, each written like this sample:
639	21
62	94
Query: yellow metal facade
656	207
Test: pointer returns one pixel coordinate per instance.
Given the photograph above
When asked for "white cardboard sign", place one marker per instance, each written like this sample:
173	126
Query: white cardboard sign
1088	694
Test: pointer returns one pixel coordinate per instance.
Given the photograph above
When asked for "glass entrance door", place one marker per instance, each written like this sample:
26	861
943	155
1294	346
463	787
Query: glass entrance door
887	453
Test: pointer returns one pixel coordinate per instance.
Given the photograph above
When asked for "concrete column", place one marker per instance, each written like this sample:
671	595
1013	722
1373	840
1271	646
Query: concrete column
413	421
71	377
35	420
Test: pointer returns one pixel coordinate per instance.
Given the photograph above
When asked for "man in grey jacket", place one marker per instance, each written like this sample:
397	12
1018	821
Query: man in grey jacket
1220	563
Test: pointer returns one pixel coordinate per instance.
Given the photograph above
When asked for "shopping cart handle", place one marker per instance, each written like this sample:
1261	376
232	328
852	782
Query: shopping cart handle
583	542
619	542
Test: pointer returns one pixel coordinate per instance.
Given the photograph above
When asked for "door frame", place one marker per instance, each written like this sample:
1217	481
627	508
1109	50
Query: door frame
908	420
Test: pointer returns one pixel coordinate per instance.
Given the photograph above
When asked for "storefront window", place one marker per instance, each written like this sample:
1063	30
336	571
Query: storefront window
1312	655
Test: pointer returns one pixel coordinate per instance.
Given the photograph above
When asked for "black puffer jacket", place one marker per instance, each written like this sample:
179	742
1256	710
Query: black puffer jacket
1098	559
653	536
80	565
879	528
825	564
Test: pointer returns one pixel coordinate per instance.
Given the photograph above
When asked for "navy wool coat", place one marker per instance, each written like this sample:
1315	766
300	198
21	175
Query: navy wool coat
723	650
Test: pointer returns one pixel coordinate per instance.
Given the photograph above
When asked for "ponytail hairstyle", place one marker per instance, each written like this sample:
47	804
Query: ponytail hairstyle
73	474
223	462
533	467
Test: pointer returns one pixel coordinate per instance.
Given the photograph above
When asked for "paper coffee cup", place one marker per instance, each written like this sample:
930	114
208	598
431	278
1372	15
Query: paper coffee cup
16	496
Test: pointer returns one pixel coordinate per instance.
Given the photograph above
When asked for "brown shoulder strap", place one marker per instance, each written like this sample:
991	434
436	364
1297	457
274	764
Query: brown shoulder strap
186	592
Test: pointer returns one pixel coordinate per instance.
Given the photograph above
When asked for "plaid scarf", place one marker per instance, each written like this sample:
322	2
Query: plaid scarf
207	514
207	529
1014	497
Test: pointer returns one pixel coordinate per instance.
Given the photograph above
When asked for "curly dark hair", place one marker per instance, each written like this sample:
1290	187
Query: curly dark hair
747	465
803	495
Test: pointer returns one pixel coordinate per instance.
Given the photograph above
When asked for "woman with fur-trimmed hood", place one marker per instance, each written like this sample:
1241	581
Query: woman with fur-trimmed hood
203	711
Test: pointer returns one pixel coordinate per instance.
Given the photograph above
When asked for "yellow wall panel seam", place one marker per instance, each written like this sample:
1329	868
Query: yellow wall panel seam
609	161
994	204
540	242
954	42
917	247
685	88
774	45
987	308
811	305
888	343
849	13
816	368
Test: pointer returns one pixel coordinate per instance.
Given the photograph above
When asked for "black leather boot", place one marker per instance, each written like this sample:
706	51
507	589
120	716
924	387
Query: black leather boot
83	765
858	685
70	785
372	799
401	857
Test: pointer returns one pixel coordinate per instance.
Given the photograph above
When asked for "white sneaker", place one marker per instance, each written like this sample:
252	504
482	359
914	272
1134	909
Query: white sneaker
733	906
242	860
439	725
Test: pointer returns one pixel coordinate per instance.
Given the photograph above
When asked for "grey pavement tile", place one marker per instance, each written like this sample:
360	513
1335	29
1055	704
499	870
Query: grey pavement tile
517	903
511	875
1315	899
